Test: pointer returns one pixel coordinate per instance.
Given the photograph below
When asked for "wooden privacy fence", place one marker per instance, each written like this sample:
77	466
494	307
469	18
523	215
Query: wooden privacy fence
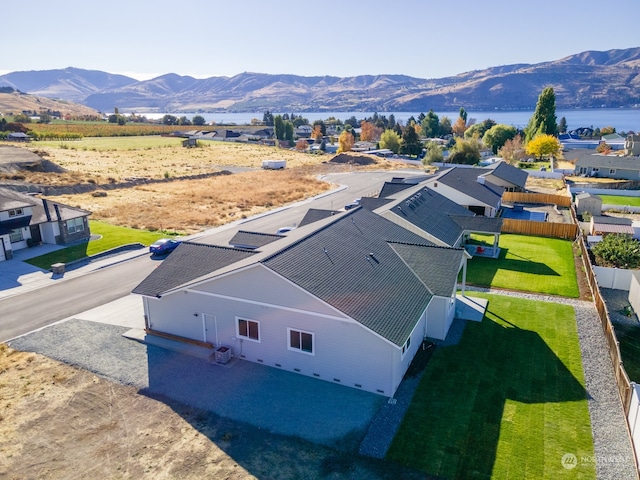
622	379
545	198
540	229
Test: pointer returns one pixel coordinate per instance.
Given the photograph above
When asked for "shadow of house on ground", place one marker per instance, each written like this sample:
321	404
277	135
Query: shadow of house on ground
482	271
471	393
269	398
264	454
273	423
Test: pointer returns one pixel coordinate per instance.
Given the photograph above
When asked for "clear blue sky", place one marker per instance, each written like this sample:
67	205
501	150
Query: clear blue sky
204	38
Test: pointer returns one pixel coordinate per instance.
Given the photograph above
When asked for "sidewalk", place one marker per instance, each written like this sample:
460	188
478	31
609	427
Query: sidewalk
17	276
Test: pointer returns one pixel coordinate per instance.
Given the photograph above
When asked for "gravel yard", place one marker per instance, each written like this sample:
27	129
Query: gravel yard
278	401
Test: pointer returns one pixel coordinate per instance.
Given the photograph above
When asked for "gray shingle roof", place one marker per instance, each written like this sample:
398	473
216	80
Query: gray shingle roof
10	199
608	161
251	240
466	180
352	262
315	214
509	173
431	212
434	266
187	263
351	265
391	188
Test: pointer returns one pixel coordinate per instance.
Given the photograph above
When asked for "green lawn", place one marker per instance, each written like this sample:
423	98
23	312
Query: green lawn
507	402
112	237
535	264
620	200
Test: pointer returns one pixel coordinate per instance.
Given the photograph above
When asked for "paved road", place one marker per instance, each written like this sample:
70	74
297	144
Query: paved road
64	298
35	309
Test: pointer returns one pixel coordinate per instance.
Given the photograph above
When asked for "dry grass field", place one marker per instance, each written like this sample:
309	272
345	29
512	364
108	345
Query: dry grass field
183	206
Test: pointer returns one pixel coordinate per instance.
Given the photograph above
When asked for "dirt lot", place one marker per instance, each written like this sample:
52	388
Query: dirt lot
59	422
175	204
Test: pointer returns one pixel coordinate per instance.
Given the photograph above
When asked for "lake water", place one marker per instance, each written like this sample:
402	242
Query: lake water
623	119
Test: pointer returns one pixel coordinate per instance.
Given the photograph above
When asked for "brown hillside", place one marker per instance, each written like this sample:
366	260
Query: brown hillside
14	103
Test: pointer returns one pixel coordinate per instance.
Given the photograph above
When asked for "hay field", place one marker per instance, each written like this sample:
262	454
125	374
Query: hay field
179	205
117	158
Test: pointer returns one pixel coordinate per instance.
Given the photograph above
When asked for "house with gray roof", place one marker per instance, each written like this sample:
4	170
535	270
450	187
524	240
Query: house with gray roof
512	179
472	188
428	213
26	220
347	299
607	166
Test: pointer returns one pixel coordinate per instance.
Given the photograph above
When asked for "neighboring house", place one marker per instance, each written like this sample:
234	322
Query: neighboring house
27	220
614	140
608	166
435	217
603	225
347	299
469	187
512	179
303	131
632	145
588	203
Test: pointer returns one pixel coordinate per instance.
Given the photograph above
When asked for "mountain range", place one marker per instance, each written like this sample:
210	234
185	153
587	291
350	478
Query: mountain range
585	80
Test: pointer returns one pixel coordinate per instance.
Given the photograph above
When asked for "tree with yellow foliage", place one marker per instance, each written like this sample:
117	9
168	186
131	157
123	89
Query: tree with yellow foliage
544	145
345	141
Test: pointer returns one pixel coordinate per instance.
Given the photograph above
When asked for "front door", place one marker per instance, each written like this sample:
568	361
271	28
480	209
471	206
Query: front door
36	237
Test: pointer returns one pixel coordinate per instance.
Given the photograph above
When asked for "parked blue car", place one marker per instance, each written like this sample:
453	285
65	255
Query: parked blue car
164	246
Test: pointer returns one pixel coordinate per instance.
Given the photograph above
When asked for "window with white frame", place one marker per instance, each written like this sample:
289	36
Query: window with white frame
406	345
300	341
16	235
249	329
75	225
16	212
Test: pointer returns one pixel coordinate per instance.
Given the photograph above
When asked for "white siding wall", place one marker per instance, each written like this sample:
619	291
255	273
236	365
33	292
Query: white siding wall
343	349
439	317
26	233
49	232
262	285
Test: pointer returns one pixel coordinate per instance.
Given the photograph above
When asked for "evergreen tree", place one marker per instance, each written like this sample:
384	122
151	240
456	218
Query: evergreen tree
411	144
543	120
430	125
267	118
562	126
463	114
278	124
288	131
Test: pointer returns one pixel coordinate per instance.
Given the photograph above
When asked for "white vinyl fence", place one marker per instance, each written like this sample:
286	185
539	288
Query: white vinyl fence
634	418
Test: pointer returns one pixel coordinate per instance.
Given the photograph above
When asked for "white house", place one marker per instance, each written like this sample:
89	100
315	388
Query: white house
27	220
347	299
